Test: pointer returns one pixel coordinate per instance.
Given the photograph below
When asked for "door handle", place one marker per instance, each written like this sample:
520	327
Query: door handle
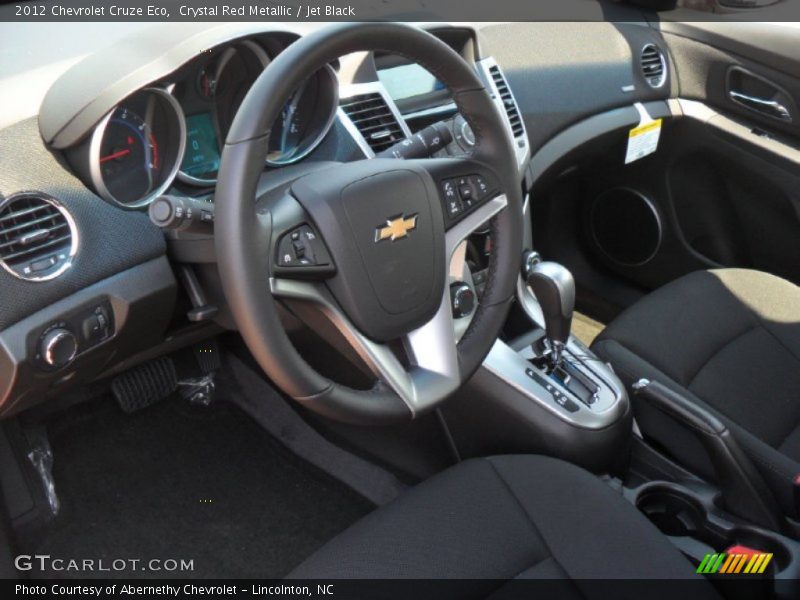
770	108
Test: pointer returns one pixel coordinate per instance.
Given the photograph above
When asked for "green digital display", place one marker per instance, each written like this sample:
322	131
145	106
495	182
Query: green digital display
201	158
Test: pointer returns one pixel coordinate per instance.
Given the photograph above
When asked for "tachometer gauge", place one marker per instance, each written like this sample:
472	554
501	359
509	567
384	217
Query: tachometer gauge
135	151
129	160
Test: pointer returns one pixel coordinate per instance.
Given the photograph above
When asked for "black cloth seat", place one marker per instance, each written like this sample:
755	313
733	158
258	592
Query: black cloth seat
729	340
503	518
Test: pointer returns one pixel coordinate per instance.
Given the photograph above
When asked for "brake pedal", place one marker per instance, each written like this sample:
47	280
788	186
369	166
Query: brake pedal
145	385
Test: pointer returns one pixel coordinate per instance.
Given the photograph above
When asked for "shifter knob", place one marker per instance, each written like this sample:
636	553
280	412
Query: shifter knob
554	288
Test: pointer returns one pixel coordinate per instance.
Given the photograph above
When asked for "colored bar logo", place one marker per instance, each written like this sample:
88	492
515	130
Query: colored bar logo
755	563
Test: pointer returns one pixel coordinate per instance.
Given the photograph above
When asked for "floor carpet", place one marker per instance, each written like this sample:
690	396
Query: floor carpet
182	482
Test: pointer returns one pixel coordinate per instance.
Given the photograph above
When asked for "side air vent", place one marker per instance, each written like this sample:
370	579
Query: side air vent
37	236
373	118
508	101
654	66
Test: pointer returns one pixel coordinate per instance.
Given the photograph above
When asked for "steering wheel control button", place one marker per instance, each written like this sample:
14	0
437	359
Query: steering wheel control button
449	190
464	193
301	249
462	299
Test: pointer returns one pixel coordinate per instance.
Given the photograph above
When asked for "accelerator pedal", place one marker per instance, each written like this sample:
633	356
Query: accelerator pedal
145	385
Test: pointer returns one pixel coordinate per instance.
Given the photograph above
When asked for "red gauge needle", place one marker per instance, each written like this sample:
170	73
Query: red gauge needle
119	154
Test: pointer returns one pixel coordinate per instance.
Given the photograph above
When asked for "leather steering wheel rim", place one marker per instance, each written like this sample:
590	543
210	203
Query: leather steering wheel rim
243	234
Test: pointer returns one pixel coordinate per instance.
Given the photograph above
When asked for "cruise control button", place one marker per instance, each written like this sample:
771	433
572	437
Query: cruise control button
454	207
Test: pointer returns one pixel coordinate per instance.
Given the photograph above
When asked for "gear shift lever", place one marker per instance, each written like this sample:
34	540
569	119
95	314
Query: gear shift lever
554	288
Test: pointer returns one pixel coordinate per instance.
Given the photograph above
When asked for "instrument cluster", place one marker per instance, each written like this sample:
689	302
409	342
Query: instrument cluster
176	129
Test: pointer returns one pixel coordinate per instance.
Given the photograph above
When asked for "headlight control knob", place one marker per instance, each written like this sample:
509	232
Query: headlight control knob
58	347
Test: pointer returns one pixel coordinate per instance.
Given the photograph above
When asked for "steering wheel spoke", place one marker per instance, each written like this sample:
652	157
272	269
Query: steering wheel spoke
432	369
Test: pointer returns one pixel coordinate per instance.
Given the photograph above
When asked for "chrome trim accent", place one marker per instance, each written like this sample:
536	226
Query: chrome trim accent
510	366
73	228
763	106
459	271
97	139
664	66
357	89
433	111
432	348
523	151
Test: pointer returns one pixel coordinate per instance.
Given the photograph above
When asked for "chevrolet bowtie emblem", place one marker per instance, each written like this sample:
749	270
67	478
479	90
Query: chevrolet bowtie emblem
396	229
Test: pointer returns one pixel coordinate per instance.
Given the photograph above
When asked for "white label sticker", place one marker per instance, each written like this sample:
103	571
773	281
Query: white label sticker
643	139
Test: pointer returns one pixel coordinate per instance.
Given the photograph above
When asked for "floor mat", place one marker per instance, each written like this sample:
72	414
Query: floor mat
253	394
182	482
585	328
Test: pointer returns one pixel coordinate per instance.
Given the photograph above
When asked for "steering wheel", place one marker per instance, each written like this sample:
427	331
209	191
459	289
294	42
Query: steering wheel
368	243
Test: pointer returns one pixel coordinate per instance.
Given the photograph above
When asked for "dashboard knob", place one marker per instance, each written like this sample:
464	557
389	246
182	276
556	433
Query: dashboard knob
58	347
462	299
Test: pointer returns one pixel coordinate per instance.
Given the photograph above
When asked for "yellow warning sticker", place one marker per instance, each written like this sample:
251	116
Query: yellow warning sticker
643	140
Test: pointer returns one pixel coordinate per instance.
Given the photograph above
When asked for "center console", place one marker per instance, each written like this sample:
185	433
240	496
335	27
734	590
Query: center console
545	390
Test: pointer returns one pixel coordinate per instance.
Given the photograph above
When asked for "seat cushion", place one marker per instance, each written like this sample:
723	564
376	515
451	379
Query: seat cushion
503	518
728	339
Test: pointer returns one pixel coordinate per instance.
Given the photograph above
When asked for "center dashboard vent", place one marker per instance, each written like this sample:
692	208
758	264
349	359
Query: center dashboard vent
374	120
37	236
508	101
654	66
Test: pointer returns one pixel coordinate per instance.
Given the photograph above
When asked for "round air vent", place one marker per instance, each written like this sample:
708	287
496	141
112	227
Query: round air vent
654	66
625	226
38	239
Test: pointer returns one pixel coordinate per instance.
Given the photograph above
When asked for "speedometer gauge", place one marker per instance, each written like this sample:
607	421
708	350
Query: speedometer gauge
136	149
305	119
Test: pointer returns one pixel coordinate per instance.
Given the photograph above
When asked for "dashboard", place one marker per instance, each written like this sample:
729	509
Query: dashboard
147	117
167	135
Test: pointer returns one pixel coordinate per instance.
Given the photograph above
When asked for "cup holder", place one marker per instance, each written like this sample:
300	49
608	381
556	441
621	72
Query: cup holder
677	513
